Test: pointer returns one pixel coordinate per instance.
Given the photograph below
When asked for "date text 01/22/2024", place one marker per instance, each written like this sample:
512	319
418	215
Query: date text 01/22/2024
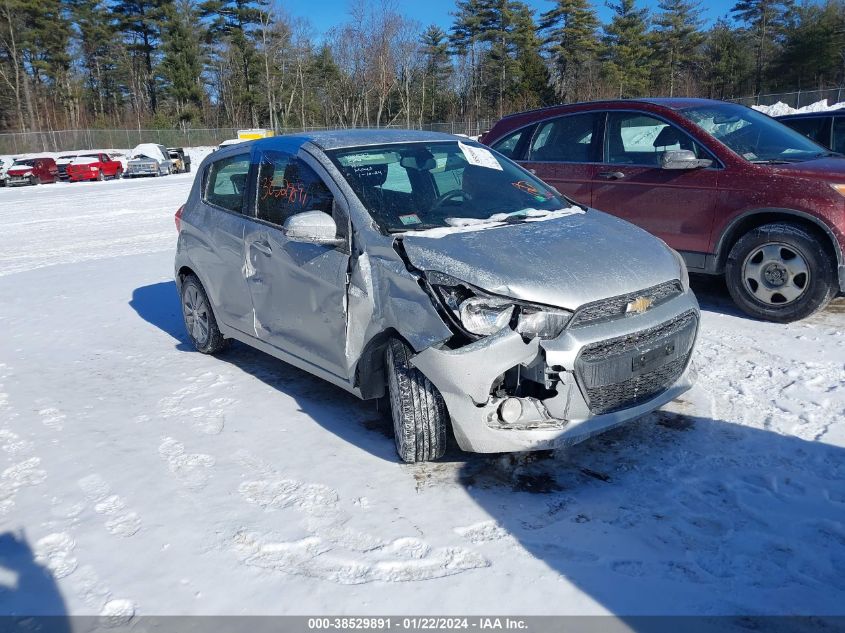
417	624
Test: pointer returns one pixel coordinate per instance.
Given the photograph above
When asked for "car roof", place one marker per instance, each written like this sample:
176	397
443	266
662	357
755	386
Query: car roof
336	139
674	103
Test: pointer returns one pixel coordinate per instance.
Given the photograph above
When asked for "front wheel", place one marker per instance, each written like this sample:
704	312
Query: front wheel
34	180
780	272
419	413
100	177
200	322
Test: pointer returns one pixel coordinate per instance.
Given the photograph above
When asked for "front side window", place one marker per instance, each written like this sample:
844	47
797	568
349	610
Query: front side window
286	186
417	186
753	135
226	182
638	139
567	139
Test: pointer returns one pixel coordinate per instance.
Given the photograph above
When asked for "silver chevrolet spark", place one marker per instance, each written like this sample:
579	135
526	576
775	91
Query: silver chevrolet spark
431	270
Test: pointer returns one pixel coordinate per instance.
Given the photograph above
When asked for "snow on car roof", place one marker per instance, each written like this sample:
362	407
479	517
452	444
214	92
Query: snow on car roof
150	150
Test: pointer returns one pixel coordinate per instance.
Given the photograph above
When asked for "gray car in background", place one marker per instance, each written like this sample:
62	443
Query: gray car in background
432	271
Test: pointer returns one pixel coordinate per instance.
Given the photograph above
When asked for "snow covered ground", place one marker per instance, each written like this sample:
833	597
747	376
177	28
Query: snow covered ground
149	479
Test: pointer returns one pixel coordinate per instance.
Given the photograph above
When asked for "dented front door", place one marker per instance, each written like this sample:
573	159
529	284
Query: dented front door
298	289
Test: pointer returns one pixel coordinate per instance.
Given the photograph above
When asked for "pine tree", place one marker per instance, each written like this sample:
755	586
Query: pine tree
814	48
438	68
766	20
677	39
95	33
181	66
572	40
470	23
729	60
532	85
236	22
141	22
626	50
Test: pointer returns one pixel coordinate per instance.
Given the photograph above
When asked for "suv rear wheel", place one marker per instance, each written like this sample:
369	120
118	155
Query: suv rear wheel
419	413
199	318
779	272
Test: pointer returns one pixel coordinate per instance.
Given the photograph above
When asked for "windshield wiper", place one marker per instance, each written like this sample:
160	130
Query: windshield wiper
775	161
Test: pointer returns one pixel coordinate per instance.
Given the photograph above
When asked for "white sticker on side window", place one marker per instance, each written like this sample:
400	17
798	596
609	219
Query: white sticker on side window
480	156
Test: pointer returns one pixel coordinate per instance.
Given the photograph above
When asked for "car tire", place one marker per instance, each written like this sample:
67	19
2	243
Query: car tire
100	176
200	322
780	272
419	413
34	180
118	174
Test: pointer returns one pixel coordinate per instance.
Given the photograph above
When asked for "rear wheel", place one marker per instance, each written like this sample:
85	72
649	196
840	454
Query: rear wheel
780	272
419	413
199	318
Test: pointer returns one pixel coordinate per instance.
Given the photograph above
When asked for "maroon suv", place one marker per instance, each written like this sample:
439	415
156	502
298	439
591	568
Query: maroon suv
736	192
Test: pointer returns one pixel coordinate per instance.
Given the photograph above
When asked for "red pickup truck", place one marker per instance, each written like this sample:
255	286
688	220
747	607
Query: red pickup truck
98	166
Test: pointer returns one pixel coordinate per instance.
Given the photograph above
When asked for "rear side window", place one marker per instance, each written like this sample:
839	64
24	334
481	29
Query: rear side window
566	139
226	182
287	186
816	128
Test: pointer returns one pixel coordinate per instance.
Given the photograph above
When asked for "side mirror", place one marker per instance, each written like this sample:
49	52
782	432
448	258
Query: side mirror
682	159
315	227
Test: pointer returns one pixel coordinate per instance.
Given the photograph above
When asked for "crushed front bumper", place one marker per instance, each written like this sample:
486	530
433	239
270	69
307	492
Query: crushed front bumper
597	377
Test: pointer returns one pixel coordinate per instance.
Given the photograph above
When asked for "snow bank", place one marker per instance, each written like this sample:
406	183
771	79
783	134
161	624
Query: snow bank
781	109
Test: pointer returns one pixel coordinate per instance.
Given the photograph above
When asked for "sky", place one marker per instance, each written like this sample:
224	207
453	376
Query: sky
324	14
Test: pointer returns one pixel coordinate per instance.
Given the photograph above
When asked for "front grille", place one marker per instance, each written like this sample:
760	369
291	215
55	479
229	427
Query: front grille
616	307
607	371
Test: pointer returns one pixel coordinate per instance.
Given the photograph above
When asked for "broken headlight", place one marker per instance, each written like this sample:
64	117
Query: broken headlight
482	314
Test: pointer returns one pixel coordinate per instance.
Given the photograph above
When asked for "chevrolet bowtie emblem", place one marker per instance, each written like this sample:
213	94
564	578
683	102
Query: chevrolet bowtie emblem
638	305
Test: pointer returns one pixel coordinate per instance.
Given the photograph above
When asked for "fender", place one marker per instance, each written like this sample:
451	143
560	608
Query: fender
721	254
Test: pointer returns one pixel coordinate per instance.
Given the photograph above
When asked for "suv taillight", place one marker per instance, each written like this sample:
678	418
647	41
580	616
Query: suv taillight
178	217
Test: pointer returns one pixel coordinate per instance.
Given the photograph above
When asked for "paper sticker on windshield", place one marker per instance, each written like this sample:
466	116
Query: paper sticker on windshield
411	218
480	156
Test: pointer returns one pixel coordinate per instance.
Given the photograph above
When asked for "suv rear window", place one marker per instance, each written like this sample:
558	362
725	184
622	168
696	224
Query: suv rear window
226	182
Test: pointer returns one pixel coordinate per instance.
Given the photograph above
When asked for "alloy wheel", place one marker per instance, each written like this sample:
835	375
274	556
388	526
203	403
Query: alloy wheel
195	310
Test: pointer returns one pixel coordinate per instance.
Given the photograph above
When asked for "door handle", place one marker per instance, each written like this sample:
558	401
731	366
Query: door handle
263	246
611	175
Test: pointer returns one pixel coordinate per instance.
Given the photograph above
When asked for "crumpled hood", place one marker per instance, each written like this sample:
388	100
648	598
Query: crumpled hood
565	262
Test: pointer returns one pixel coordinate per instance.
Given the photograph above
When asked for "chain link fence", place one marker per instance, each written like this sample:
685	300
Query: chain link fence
71	140
796	99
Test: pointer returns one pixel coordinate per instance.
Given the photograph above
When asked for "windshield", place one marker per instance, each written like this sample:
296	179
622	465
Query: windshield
24	162
417	186
753	135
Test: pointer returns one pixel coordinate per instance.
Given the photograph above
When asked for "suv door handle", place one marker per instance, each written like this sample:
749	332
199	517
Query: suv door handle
611	175
263	246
